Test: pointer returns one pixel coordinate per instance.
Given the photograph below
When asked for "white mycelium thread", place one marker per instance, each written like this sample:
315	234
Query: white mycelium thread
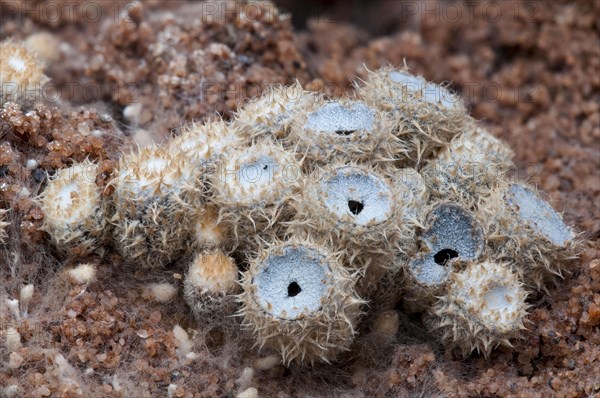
539	215
356	196
292	283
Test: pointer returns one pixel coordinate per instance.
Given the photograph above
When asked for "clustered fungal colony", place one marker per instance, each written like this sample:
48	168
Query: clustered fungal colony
304	212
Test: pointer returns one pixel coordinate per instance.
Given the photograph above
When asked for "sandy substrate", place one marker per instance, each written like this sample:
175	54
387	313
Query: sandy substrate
528	71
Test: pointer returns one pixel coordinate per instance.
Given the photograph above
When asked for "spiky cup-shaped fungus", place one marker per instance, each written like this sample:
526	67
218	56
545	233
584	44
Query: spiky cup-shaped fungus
525	229
469	168
210	285
21	74
430	114
74	210
484	306
299	300
251	187
452	233
153	196
344	129
353	209
271	114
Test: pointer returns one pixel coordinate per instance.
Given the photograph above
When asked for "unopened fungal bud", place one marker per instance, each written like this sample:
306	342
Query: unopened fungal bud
45	45
430	114
299	300
210	285
200	143
451	233
484	306
21	74
469	168
252	187
345	129
209	233
525	229
271	114
73	209
153	194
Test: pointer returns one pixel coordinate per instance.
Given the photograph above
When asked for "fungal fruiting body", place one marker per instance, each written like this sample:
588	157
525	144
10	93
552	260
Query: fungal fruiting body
271	114
21	74
525	229
299	300
73	209
344	129
210	285
353	210
428	115
483	306
451	233
153	193
469	168
390	197
209	233
252	186
199	143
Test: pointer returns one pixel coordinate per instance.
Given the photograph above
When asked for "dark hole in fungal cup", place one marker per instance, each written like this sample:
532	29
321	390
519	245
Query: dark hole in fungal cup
443	256
344	132
355	207
294	289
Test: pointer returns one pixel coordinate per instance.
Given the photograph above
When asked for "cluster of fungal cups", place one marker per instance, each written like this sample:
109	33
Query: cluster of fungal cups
305	213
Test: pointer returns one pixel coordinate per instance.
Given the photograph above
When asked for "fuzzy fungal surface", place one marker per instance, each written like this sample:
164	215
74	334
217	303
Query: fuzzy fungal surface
240	195
210	285
22	76
353	230
73	209
524	227
483	306
299	300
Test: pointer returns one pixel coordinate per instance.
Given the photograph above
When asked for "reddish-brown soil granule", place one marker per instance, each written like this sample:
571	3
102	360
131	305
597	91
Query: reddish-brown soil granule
528	70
